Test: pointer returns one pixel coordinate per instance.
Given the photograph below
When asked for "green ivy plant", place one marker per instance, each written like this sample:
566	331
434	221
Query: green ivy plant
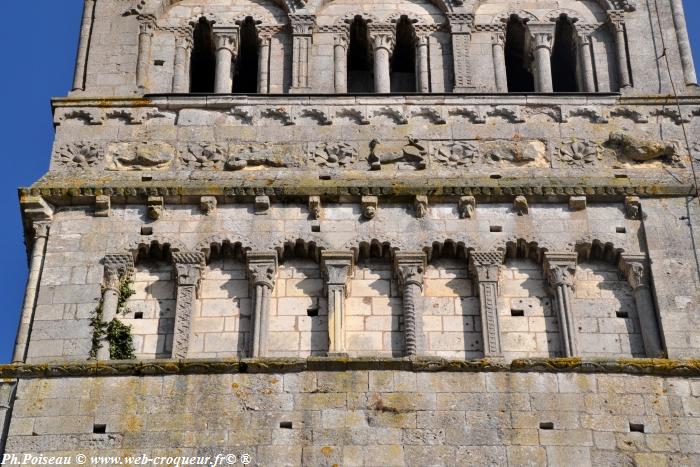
121	340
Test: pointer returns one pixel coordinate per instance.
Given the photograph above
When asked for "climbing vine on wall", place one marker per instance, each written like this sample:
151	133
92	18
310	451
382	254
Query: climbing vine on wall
121	341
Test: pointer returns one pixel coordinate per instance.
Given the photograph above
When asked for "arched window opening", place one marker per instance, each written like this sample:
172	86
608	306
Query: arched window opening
203	61
518	57
245	79
564	57
403	61
360	60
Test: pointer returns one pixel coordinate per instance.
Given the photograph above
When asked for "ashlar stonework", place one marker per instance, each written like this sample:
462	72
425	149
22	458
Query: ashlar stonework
398	232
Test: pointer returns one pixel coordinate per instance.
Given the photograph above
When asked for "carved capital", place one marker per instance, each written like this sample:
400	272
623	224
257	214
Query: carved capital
560	269
262	268
616	19
302	25
410	267
40	230
147	24
382	37
485	266
635	268
117	267
189	267
227	38
499	39
184	40
542	35
337	267
341	39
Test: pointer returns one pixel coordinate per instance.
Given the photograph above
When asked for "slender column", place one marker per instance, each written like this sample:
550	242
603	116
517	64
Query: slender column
683	42
422	64
542	39
226	49
485	268
143	63
181	76
409	268
340	59
461	31
499	62
383	44
617	22
264	64
116	268
337	269
584	42
85	33
36	264
636	270
189	267
560	270
302	38
262	269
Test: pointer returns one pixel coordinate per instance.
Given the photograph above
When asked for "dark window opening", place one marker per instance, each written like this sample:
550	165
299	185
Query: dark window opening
286	425
546	426
360	59
203	61
403	61
564	57
517	312
518	57
245	78
636	427
99	429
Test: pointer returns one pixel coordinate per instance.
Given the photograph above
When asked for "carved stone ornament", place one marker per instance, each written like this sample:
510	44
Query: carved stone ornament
633	208
155	207
189	267
638	150
208	204
262	274
334	155
369	206
259	155
486	266
204	156
560	269
337	267
420	206
509	152
80	155
315	206
520	206
412	155
467	207
141	156
457	154
580	153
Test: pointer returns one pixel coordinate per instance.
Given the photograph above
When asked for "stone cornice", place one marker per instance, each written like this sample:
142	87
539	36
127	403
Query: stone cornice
652	367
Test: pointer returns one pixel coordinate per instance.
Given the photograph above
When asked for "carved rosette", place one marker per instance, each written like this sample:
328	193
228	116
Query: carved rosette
204	156
80	155
580	153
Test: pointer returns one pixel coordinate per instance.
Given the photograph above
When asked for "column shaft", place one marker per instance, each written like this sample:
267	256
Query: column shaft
499	63
382	74
635	268
409	268
485	270
85	33
543	69
110	301
423	67
560	270
618	26
683	42
223	82
460	29
587	65
144	54
181	76
340	59
189	267
36	265
336	319
264	65
262	269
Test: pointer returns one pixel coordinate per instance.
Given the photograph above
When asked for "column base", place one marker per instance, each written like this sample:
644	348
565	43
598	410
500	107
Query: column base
464	89
337	355
306	90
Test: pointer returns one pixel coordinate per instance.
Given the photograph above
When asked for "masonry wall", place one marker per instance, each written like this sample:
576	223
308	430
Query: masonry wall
391	418
450	325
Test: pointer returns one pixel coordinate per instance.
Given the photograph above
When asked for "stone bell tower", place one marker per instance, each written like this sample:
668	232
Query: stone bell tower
397	232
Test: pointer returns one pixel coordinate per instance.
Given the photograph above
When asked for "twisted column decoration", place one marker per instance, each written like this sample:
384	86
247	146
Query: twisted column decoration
410	268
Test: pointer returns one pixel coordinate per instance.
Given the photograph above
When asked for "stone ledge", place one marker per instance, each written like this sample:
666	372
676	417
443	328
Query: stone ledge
640	366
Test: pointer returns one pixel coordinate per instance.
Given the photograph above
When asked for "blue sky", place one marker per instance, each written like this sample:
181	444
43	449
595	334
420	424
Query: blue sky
38	64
